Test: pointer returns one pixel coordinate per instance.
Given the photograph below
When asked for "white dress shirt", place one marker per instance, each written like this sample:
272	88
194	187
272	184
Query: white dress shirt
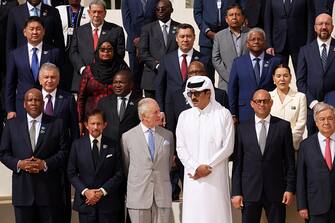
99	29
31	8
53	98
168	24
38	52
188	57
146	133
258	125
261	62
119	101
322	143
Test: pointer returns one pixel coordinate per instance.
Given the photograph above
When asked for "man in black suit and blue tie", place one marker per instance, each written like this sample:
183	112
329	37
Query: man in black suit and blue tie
264	169
35	147
95	171
24	63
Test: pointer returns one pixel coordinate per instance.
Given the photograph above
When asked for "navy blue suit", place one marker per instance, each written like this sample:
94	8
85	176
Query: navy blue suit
19	77
322	6
312	80
285	31
107	174
242	84
43	188
330	98
169	79
52	24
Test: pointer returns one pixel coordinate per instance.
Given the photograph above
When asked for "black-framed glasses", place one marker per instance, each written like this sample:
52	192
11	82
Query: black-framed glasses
195	93
262	101
106	50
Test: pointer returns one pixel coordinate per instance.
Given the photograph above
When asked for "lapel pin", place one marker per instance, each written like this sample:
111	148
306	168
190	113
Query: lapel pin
266	64
45	12
103	33
45	52
131	103
104	146
196	58
60	96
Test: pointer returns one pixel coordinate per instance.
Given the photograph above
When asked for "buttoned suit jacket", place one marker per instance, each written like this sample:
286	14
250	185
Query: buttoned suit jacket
82	50
152	48
108	174
224	53
315	183
19	77
271	173
134	18
242	84
311	79
148	180
15	25
43	188
115	128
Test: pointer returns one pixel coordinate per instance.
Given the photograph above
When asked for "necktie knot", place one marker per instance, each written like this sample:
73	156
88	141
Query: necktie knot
184	55
49	96
257	59
95	141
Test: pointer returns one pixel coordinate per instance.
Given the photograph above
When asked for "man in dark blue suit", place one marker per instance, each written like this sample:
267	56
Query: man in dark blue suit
210	18
95	171
172	70
323	6
23	65
264	169
248	73
19	15
288	26
315	169
136	14
60	104
34	147
316	67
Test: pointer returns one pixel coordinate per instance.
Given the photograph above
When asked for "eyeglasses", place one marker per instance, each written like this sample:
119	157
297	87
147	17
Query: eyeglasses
262	101
106	50
195	93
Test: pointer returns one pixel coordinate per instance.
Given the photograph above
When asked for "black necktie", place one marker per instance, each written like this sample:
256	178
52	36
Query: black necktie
122	108
257	70
287	6
95	153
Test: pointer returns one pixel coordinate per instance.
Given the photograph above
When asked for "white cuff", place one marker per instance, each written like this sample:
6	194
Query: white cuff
313	103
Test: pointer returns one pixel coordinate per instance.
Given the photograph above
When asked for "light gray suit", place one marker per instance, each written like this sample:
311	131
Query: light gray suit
224	53
148	182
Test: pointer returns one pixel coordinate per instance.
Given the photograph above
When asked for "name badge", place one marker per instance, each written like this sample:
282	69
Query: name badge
70	31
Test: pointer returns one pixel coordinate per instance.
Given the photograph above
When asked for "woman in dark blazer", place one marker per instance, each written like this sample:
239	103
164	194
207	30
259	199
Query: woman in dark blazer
96	81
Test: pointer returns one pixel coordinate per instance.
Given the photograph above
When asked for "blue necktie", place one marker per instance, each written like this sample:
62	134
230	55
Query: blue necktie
35	65
151	143
35	12
257	70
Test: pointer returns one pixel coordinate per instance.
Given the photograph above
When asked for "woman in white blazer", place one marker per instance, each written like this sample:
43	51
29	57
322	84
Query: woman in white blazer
288	104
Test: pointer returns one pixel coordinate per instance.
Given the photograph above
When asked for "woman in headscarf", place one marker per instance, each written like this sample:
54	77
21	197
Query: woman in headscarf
97	78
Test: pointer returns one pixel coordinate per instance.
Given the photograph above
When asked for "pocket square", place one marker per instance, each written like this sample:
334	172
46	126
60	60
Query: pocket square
166	142
109	155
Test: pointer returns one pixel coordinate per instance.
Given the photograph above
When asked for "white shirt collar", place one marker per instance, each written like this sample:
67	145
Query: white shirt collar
99	27
127	96
252	57
38	118
323	138
320	42
30	7
168	23
267	119
189	53
98	138
145	129
38	46
53	93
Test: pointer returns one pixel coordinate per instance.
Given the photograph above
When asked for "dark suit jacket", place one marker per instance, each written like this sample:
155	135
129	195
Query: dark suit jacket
52	23
272	173
295	26
180	104
134	18
115	128
82	50
66	109
322	6
206	15
242	84
19	77
43	188
169	78
108	174
315	184
152	48
55	3
254	12
330	98
311	79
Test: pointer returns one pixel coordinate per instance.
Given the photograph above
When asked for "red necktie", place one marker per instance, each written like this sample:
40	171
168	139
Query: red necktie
328	155
184	67
95	38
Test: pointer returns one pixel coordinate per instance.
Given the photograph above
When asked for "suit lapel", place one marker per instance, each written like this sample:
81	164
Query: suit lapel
103	153
172	34
265	70
87	151
103	33
270	135
177	66
142	140
331	55
288	97
26	137
158	142
113	108
89	37
315	51
251	69
158	30
58	102
130	106
318	152
229	37
43	132
44	54
253	136
25	54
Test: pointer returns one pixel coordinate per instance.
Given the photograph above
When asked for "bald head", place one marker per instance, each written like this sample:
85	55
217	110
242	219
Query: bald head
196	68
323	26
261	103
33	102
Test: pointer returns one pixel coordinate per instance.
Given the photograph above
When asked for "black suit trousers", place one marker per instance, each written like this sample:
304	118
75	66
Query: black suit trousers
328	217
111	217
38	214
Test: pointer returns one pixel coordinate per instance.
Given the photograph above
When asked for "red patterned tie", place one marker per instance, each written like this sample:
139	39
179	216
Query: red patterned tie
184	67
95	38
328	155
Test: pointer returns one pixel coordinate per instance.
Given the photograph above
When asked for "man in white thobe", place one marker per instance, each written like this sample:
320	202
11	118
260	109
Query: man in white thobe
205	140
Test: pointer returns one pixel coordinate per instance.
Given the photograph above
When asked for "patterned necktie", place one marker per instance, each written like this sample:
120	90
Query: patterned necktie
151	143
262	137
165	34
328	155
35	12
257	70
35	65
95	153
32	134
184	67
49	108
95	38
324	56
122	108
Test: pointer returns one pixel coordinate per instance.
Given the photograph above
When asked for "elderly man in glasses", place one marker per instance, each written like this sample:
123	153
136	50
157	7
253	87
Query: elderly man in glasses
264	170
205	140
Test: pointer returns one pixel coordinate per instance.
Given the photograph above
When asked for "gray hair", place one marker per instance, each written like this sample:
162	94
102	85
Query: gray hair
142	106
49	66
256	30
320	107
97	2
